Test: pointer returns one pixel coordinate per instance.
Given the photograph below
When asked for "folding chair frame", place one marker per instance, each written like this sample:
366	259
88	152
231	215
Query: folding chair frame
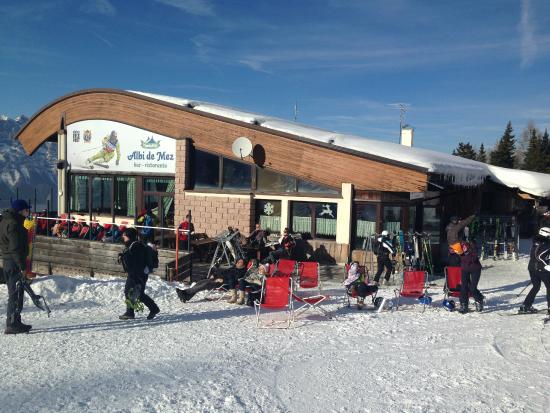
289	308
423	294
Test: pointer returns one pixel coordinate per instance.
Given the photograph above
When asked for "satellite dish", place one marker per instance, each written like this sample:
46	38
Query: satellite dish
242	147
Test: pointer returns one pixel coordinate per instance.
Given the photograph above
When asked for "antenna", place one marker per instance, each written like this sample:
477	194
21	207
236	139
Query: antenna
296	110
242	147
403	107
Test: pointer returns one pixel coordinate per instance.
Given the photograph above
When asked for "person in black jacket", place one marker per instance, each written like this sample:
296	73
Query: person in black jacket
539	270
14	247
134	262
383	249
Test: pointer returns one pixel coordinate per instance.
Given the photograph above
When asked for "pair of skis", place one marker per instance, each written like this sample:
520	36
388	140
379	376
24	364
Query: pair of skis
38	300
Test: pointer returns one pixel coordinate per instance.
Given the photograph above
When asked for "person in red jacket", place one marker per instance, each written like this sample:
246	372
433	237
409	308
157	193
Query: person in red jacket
183	236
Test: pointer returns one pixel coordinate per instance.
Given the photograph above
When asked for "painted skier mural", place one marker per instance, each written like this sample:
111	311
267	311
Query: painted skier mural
103	145
110	147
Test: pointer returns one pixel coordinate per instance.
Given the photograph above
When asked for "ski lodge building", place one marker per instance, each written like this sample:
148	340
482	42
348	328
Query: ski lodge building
120	152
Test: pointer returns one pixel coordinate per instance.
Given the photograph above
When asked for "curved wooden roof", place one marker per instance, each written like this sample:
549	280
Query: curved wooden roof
285	153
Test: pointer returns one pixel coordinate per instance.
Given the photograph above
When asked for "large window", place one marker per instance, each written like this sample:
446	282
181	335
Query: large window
391	219
236	175
307	186
158	184
314	219
431	223
125	196
101	194
268	214
206	170
79	193
269	181
365	224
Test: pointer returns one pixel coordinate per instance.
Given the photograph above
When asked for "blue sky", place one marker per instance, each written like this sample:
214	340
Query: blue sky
464	67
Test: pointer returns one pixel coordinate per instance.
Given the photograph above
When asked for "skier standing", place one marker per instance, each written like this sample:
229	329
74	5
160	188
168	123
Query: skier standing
539	270
134	262
471	271
455	226
383	250
14	248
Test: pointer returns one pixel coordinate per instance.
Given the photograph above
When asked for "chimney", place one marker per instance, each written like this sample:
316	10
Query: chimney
407	133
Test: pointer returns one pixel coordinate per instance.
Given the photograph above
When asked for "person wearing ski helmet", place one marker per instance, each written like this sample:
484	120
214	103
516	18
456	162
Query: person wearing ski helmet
383	249
471	271
134	261
109	146
539	270
14	248
453	239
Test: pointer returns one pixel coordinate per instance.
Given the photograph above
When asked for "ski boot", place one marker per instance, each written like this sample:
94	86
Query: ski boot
479	306
128	315
16	326
183	295
527	310
463	308
153	313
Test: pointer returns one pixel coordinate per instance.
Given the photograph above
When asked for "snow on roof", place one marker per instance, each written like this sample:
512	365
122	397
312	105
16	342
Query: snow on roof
462	172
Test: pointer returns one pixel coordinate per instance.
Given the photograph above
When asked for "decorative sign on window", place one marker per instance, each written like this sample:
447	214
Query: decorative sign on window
112	146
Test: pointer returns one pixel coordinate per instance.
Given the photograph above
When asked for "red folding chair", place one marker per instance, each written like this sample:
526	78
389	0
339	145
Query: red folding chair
413	286
276	295
453	277
285	268
308	273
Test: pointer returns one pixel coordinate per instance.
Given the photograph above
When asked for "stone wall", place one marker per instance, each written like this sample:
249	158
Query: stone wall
212	214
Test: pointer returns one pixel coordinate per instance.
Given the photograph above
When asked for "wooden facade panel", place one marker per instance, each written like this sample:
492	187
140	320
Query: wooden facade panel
284	153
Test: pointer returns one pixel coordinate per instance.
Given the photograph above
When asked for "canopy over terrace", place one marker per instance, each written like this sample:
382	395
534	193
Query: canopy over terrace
168	115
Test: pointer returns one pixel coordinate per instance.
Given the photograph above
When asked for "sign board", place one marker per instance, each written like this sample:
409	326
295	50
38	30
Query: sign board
107	146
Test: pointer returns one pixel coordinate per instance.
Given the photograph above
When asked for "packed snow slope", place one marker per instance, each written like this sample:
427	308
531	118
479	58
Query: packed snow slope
207	356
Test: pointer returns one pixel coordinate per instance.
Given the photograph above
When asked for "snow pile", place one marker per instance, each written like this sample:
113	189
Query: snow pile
206	356
462	172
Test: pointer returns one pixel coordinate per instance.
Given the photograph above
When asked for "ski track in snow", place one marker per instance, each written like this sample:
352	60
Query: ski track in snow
207	356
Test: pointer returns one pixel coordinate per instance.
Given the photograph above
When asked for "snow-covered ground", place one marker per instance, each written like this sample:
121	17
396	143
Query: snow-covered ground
209	356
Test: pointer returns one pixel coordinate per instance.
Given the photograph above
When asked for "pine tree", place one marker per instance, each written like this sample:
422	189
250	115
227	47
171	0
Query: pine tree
482	155
545	151
503	154
534	159
465	150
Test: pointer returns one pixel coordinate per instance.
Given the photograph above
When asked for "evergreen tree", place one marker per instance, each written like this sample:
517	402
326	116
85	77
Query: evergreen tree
482	155
534	159
503	153
465	150
545	151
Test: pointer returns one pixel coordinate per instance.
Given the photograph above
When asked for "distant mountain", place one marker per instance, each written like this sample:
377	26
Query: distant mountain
20	173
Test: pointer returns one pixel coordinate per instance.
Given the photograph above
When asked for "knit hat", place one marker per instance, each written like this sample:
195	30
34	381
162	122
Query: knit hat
20	205
131	233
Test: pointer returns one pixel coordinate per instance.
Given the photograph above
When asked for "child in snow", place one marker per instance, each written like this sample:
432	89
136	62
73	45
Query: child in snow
355	281
471	271
539	270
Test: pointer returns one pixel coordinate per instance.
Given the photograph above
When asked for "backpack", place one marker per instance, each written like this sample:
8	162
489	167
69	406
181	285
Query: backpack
151	258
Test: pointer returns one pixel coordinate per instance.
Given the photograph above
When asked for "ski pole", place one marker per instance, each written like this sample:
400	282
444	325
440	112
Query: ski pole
524	288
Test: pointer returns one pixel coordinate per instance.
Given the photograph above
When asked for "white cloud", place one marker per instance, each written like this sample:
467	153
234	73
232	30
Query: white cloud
196	7
528	44
103	7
